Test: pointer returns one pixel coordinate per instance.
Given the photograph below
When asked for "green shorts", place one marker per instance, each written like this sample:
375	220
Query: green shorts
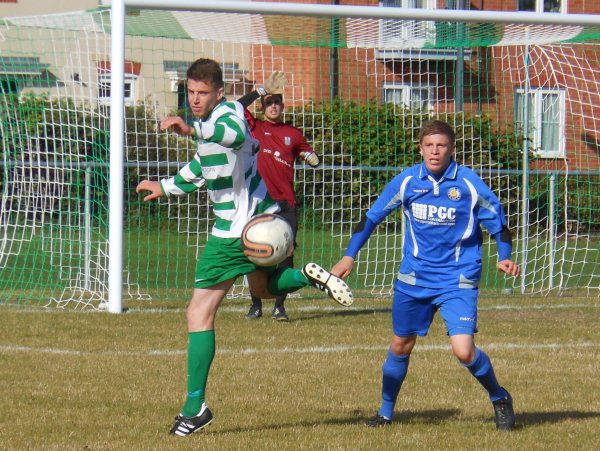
222	259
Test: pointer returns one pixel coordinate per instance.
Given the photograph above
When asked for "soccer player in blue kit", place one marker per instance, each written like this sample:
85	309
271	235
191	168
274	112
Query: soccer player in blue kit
444	204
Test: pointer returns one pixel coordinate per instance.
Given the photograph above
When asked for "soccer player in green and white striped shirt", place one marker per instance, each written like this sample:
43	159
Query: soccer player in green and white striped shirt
225	163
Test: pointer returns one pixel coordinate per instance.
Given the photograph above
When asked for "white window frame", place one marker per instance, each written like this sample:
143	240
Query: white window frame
104	83
535	120
539	6
410	30
406	93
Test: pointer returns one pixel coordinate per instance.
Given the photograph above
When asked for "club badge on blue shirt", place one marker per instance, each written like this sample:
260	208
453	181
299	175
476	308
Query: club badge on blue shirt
454	193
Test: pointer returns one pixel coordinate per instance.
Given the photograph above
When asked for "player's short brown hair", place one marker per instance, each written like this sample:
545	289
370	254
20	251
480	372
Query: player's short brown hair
437	127
206	70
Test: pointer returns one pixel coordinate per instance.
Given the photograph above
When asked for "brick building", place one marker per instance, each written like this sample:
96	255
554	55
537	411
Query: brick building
560	81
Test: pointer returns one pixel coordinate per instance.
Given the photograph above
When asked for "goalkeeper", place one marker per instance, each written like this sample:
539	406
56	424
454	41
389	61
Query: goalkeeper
225	162
281	145
444	204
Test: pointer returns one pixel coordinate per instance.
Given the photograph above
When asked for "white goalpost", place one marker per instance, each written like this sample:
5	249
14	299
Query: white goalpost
118	27
361	12
82	94
117	159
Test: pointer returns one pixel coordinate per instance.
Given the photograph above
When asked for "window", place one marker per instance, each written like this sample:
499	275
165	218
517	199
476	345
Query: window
18	72
428	4
407	30
182	102
542	6
546	120
104	89
413	97
132	72
8	86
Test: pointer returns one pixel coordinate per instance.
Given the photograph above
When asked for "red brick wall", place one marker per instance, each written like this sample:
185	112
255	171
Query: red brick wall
491	77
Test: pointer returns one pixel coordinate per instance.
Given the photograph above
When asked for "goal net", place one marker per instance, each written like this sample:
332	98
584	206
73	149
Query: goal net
524	100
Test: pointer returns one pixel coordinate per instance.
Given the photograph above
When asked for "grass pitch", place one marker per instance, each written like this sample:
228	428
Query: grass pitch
89	380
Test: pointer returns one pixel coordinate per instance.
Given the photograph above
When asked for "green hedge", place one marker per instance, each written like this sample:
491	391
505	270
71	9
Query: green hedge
375	135
376	139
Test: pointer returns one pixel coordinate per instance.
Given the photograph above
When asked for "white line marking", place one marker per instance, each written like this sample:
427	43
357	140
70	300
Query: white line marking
315	350
385	305
286	350
357	308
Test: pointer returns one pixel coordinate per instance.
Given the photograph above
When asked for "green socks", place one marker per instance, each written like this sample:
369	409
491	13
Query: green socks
286	280
201	351
201	345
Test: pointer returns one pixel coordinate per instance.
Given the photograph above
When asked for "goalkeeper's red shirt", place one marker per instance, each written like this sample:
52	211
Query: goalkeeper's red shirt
280	145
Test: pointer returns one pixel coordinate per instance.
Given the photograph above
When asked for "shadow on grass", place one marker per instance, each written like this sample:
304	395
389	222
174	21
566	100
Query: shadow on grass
352	312
358	418
534	418
428	417
523	418
437	416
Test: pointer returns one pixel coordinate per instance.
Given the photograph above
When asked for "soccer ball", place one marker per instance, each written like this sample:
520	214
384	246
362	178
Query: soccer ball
267	239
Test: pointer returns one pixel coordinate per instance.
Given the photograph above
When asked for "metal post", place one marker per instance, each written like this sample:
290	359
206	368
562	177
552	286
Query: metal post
365	12
333	56
87	230
460	65
116	185
551	229
525	176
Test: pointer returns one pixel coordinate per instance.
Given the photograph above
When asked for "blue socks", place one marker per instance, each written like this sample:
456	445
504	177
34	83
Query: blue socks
482	369
394	371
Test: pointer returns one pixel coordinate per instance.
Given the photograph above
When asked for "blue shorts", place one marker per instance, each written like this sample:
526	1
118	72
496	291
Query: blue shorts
414	307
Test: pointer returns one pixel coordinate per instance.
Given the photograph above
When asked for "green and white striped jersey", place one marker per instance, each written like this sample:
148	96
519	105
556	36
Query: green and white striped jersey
225	161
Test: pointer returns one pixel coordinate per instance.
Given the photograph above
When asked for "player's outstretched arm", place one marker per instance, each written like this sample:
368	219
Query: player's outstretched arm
272	85
504	244
343	268
311	158
152	186
509	267
361	234
178	125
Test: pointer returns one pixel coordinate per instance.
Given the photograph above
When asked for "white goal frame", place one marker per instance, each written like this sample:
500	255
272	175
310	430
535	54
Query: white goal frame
117	120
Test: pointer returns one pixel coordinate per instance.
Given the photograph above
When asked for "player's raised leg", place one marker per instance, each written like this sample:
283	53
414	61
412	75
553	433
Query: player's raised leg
335	287
287	280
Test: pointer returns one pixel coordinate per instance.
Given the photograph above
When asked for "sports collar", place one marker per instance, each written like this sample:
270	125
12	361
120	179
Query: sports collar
450	172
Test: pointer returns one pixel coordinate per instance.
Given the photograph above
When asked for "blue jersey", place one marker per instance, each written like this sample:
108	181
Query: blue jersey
443	238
